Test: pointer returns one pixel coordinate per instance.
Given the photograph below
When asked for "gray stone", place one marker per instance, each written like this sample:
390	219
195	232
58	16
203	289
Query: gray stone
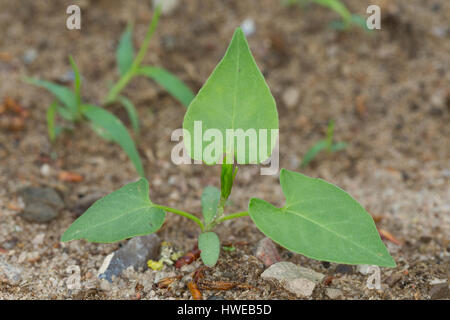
344	269
298	280
289	271
290	97
41	204
9	273
301	287
333	293
135	253
439	291
267	252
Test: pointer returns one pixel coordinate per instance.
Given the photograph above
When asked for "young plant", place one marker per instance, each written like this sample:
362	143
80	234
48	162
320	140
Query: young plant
72	108
318	220
327	144
347	18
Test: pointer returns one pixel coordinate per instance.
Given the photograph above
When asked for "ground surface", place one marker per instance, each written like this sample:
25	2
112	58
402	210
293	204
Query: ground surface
387	91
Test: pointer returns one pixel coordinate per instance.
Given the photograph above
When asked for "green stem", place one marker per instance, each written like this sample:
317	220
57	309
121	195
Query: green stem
233	216
123	81
182	213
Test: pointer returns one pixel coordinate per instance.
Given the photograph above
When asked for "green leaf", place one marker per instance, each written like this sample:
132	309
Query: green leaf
118	132
63	94
125	213
320	221
209	244
235	96
65	113
51	113
125	51
77	81
330	134
131	111
338	146
313	151
168	81
210	201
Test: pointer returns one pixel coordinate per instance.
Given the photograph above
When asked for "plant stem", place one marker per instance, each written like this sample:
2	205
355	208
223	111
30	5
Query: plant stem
123	81
182	213
233	216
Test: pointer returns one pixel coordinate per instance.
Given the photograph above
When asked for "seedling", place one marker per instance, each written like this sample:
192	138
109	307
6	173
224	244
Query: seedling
318	220
327	144
347	18
72	108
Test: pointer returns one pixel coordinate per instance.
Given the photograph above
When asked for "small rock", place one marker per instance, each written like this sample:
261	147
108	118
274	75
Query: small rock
288	270
333	293
344	269
41	204
290	97
10	244
45	170
298	280
248	27
394	278
9	273
135	253
167	7
301	287
213	297
29	56
39	239
439	291
267	252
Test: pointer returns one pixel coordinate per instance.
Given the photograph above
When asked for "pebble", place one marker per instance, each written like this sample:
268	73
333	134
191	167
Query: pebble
10	273
38	240
301	287
394	278
344	269
29	56
439	291
267	252
135	253
45	170
333	293
42	204
290	97
213	297
248	27
298	280
167	7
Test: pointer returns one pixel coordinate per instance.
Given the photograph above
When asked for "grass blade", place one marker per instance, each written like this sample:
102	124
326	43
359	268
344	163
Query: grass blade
131	111
125	51
63	94
169	82
116	130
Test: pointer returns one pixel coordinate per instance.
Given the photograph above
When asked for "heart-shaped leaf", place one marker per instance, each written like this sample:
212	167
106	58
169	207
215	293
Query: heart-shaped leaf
210	201
125	213
320	221
209	244
234	97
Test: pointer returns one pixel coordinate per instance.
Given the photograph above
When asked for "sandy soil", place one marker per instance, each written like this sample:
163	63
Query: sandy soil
387	91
